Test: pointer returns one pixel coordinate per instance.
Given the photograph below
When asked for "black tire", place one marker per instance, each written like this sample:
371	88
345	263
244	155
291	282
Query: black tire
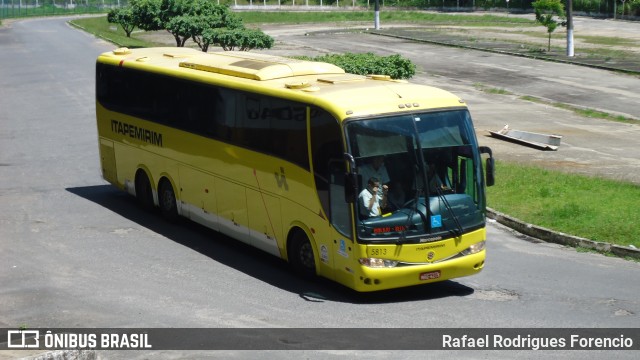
301	256
167	200
144	193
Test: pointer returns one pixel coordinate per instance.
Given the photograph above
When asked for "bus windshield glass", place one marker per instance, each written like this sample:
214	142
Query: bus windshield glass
421	176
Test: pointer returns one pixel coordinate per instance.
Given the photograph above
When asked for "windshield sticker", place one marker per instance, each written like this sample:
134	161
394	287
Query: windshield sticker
436	221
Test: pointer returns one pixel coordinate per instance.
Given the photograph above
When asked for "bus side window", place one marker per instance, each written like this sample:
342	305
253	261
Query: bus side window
198	115
289	131
273	126
224	113
326	144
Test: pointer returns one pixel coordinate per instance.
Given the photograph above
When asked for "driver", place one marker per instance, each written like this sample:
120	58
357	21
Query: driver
371	202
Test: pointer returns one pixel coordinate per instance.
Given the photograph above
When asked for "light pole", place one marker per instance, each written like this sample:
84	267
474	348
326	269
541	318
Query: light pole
570	28
377	15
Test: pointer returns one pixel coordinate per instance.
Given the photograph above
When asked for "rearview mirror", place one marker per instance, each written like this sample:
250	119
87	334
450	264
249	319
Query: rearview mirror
490	168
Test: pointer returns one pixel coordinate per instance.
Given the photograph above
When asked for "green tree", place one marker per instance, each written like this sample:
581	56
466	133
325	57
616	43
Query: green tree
634	6
181	27
241	38
214	18
203	21
550	14
176	17
189	19
147	14
123	17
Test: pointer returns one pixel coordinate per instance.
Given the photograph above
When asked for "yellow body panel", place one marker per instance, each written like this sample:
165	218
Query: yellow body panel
257	198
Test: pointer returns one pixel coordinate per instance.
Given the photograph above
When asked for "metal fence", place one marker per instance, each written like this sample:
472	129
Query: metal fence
26	8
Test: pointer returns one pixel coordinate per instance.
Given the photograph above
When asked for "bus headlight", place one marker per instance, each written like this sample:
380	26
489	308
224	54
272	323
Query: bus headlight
473	249
377	263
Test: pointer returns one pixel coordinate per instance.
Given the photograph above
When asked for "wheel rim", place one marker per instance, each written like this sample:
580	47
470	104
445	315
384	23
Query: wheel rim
167	199
306	256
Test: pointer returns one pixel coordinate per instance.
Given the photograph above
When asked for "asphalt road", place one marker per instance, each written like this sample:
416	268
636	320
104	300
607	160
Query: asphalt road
77	253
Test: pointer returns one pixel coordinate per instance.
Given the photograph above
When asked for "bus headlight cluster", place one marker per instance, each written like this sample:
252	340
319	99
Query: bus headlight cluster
378	263
473	249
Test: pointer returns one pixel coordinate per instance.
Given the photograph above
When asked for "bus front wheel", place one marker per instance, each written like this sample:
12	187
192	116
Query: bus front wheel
301	256
167	200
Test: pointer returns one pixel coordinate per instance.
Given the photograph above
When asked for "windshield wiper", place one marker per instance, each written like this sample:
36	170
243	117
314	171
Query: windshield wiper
420	188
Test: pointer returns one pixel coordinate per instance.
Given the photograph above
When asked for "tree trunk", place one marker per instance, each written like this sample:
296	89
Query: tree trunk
176	37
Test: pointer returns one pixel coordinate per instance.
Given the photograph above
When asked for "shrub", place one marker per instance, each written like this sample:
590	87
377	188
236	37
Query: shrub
368	64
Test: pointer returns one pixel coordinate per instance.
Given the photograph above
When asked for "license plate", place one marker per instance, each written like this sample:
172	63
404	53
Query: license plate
430	275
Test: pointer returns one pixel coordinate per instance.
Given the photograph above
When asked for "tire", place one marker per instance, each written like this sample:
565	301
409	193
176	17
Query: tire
301	256
144	193
167	200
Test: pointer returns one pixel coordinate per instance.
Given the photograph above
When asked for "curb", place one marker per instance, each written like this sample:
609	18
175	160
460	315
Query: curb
551	236
563	61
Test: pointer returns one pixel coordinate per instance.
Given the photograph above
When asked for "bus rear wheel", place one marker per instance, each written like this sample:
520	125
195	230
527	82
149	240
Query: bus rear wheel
301	256
167	200
144	194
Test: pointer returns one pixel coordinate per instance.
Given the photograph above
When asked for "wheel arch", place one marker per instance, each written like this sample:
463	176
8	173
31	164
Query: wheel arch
143	171
299	228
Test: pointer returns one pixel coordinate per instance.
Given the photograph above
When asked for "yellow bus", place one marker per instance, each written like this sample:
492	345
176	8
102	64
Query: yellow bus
279	153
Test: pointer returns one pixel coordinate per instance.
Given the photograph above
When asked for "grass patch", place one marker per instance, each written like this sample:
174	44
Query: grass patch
609	41
113	33
490	90
586	112
256	17
593	208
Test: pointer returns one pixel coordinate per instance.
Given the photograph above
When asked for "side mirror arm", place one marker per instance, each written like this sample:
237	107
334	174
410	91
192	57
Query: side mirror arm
350	180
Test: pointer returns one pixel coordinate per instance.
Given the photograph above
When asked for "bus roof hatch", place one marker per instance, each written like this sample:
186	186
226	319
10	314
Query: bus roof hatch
258	66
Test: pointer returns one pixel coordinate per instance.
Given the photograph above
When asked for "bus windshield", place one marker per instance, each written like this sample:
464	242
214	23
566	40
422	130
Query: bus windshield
421	176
